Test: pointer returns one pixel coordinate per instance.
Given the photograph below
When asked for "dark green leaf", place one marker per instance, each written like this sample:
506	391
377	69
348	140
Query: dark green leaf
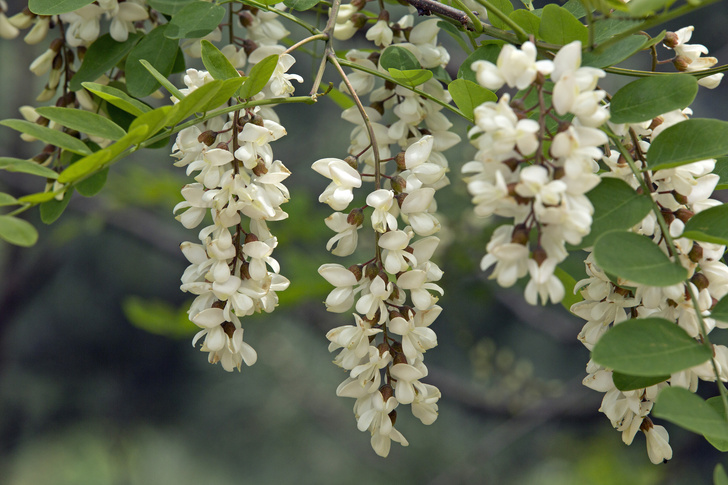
615	53
688	141
505	7
7	199
646	98
528	21
487	52
93	185
171	88
648	347
300	5
469	95
721	169
52	209
26	166
179	62
84	121
159	51
710	225
102	55
169	7
625	382
717	404
17	231
48	135
636	258
688	410
216	63
118	98
411	77
55	7
559	26
608	28
616	206
720	310
455	33
195	20
258	77
398	58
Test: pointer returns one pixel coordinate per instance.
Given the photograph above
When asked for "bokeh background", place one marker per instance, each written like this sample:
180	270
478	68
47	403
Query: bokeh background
99	384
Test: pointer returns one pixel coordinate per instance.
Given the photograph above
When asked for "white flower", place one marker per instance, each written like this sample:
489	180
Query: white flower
406	376
658	443
370	303
395	256
543	283
417	336
381	201
344	179
341	298
380	34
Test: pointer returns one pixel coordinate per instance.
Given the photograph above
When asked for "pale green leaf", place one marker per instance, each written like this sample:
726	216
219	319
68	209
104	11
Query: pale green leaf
48	135
55	7
411	77
17	231
26	166
258	77
559	26
118	98
688	410
216	63
83	121
469	95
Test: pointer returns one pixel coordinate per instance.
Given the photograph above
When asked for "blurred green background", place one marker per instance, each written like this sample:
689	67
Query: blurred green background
99	383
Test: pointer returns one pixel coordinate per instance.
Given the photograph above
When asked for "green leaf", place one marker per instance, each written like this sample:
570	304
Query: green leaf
17	231
154	120
455	33
171	88
489	51
7	199
193	102
505	7
228	89
52	209
102	55
528	21
570	298
300	5
625	382
721	169
719	475
688	410
720	310
169	7
717	404
413	77
648	347
195	20
48	135
617	206
36	198
641	8
26	166
258	77
158	317
83	121
341	99
55	7
118	98
710	225
615	53
216	63
688	141
559	26
95	161
159	51
607	28
469	95
93	185
398	58
646	98
179	62
636	258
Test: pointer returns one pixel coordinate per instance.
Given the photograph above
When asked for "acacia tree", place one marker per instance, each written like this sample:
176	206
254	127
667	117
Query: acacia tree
624	179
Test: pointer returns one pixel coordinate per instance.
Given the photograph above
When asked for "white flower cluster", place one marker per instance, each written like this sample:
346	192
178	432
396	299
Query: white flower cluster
680	192
393	293
512	177
240	184
689	56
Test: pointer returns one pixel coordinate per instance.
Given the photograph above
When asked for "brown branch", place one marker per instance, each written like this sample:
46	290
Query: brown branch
428	7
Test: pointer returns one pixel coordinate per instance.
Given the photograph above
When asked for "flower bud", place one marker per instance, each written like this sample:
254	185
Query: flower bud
681	63
351	160
378	106
399	359
696	253
399	185
700	281
250	237
539	255
358	4
207	137
400	161
38	32
355	217
386	391
371	271
356	271
680	198
520	235
383	348
671	40
260	169
393	416
684	214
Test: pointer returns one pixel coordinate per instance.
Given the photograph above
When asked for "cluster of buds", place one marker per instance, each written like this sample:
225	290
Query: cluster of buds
512	176
680	193
240	184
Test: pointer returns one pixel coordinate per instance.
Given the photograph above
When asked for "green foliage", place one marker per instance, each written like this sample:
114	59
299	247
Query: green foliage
719	475
648	347
646	98
689	411
617	206
204	98
157	49
83	121
688	141
194	20
527	20
169	7
487	52
7	199
158	317
258	77
503	6
411	77
171	88
102	55
709	225
636	258
398	58
720	310
559	26
216	63
17	231
625	382
55	7
614	54
26	166
468	95
118	98
51	210
93	184
300	5
48	135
